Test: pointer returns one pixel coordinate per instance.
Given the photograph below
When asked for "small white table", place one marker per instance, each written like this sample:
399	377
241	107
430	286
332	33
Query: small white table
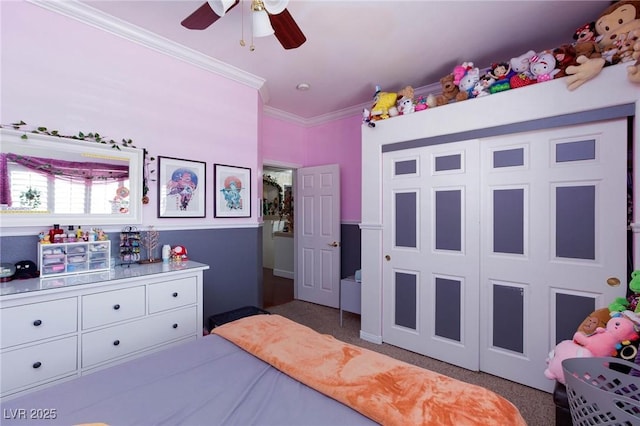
349	296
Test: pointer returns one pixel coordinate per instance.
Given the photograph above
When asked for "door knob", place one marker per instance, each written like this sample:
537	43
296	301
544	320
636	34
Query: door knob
613	282
334	244
387	257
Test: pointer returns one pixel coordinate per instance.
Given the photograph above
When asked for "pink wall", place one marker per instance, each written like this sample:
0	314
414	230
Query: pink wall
283	141
335	142
69	76
66	75
339	142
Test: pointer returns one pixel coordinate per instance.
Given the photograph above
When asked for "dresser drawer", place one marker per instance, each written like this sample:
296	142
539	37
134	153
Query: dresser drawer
35	321
172	294
112	306
37	364
121	340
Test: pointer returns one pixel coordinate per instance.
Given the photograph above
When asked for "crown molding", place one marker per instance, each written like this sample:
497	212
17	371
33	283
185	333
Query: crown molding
98	19
342	113
283	115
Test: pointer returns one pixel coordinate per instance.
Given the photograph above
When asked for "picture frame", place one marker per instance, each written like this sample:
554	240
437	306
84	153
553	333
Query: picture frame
232	191
181	188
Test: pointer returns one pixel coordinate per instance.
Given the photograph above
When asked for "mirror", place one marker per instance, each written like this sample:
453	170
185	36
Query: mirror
48	179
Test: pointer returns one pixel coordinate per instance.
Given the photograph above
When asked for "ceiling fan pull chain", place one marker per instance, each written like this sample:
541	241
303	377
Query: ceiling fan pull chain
268	17
242	25
252	47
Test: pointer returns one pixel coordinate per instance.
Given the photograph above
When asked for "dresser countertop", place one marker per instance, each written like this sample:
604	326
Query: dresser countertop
117	272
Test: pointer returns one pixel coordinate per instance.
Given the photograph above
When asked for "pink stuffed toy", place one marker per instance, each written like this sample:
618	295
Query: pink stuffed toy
603	342
563	350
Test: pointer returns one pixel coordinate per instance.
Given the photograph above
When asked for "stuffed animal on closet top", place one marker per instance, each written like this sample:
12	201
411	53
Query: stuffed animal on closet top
633	71
384	105
520	74
543	66
616	24
405	101
450	92
585	41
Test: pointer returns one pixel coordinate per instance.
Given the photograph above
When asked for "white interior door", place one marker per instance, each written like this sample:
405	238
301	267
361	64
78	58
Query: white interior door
317	234
553	230
430	245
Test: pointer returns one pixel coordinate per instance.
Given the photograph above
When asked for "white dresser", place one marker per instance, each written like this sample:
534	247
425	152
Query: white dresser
54	329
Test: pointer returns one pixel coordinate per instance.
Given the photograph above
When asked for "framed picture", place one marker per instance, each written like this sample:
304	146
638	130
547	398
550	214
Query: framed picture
232	186
181	187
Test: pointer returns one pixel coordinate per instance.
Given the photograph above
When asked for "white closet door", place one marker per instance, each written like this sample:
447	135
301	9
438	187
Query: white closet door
431	245
553	231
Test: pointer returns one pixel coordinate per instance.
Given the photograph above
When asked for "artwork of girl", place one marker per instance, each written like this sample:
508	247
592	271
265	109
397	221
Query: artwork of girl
231	192
183	183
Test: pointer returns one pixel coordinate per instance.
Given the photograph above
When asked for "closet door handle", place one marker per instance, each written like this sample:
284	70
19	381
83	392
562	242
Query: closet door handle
175	294
37	364
116	306
37	323
175	326
116	342
613	281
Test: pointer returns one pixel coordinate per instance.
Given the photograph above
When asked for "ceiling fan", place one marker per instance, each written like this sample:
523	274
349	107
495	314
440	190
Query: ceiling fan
268	17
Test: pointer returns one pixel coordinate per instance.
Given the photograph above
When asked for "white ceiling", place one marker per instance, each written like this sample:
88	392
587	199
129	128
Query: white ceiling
354	45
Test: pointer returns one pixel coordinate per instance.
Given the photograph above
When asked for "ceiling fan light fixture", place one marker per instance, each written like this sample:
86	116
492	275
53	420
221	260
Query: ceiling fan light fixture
261	25
220	7
275	7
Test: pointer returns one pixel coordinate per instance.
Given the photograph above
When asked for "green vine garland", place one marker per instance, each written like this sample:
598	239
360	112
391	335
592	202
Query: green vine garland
97	138
269	180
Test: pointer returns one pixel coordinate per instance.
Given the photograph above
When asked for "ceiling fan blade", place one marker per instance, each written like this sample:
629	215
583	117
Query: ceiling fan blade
203	17
286	30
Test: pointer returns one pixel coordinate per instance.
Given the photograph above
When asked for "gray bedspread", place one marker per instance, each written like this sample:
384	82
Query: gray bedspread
209	381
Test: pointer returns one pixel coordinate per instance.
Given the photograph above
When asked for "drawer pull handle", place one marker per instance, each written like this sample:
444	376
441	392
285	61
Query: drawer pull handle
37	323
175	325
37	364
175	294
116	342
116	306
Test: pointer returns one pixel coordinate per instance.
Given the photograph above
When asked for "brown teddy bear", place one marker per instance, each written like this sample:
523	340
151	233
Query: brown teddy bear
588	49
565	55
406	92
450	92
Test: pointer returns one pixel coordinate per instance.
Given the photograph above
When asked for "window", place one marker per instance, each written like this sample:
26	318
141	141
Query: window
71	196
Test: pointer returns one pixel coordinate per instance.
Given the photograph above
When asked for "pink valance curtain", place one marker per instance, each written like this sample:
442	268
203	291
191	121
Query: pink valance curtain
72	170
5	187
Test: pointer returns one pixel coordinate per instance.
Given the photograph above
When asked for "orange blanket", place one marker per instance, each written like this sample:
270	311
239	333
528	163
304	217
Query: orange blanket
386	390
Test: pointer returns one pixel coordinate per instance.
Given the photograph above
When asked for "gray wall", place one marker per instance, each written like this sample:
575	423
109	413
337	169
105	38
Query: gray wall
350	254
233	280
234	256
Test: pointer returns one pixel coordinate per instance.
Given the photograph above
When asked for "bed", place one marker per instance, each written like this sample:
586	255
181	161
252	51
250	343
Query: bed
266	370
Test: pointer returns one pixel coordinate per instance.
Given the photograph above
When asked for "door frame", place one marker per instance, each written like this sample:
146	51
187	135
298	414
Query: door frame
293	167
